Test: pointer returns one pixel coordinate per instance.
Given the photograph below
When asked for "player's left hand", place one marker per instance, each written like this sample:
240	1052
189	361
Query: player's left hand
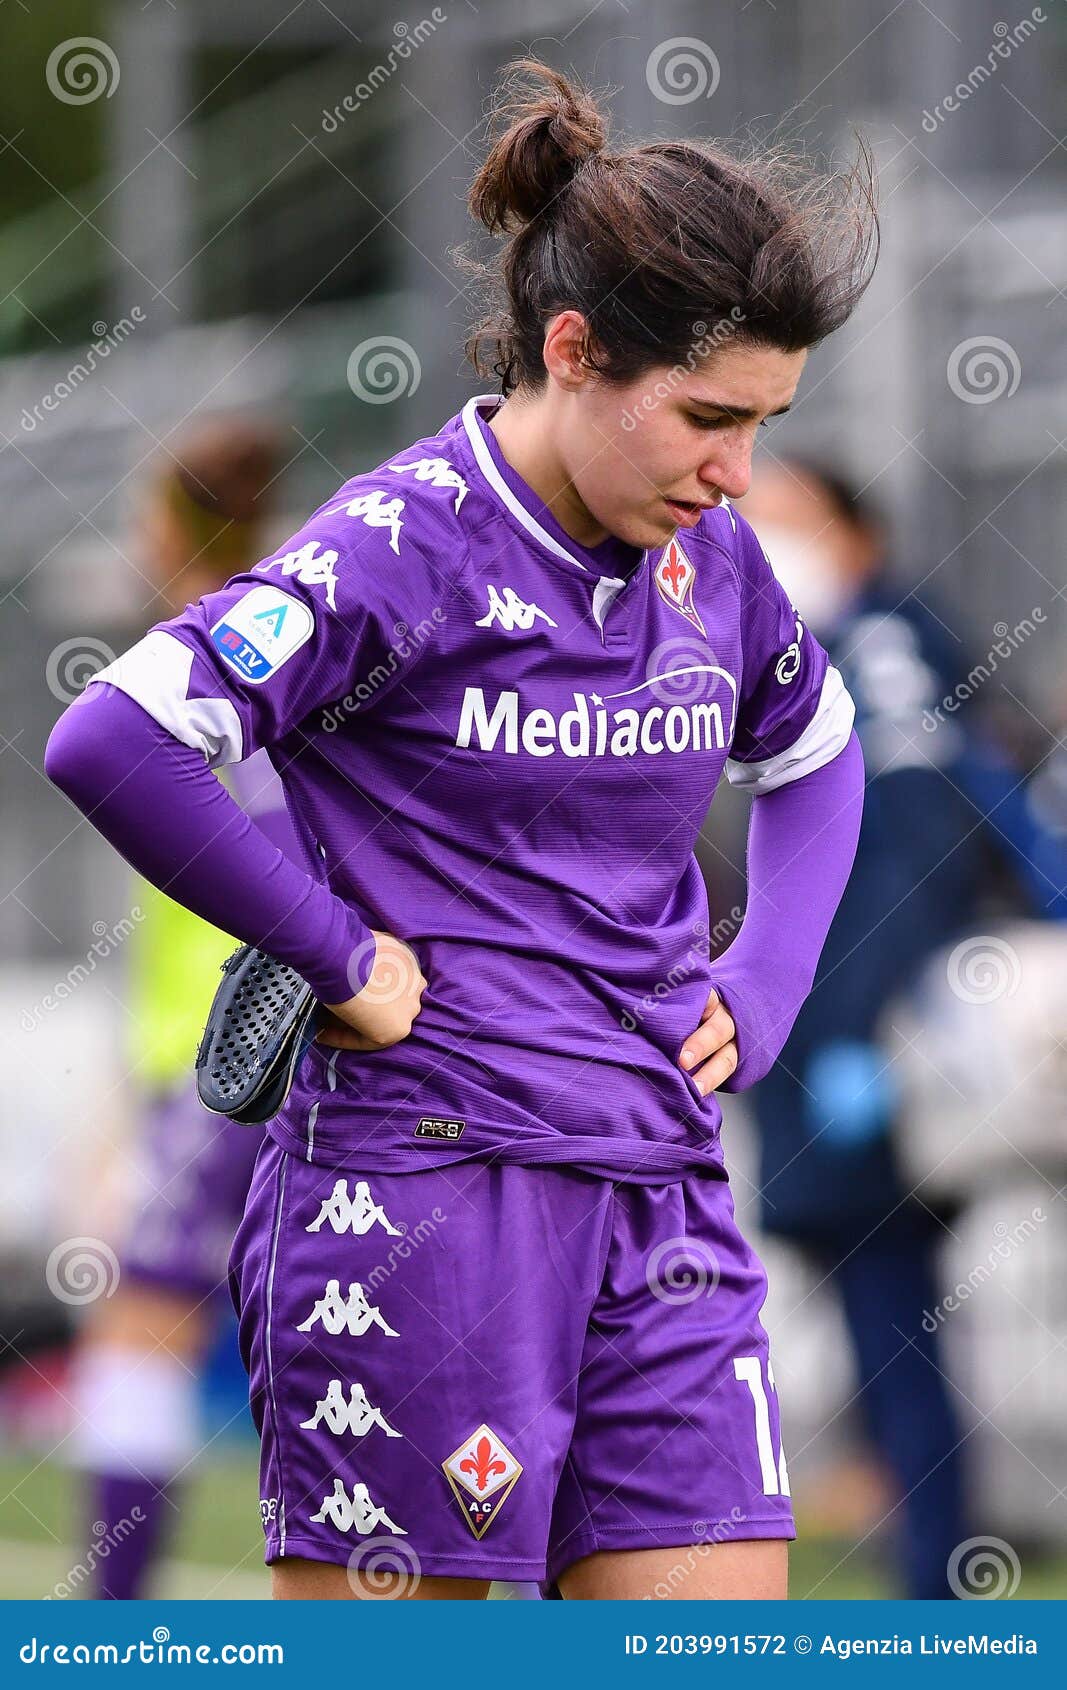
714	1044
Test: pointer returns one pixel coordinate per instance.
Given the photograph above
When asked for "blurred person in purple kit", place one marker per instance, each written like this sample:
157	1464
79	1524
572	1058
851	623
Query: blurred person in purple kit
498	1318
202	519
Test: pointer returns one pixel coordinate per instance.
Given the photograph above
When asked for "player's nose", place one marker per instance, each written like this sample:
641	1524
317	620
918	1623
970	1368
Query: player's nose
730	470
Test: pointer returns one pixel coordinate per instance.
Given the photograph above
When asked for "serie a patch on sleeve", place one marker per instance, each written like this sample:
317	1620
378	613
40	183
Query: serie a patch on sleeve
261	632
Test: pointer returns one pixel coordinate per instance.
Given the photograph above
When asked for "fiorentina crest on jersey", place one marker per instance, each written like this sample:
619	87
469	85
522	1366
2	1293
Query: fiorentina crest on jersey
481	1472
676	578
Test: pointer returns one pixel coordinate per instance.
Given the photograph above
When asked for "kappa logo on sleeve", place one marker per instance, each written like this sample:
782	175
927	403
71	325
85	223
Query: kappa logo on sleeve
261	632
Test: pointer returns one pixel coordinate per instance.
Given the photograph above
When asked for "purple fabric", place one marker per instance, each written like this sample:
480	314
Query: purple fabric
506	761
801	844
123	1558
606	1334
158	804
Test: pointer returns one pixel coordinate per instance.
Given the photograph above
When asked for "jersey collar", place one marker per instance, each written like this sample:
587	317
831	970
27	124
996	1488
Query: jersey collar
484	460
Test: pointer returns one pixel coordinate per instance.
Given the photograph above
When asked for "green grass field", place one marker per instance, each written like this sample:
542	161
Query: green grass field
218	1548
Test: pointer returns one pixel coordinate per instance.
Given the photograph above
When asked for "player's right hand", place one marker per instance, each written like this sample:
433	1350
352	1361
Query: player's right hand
382	1013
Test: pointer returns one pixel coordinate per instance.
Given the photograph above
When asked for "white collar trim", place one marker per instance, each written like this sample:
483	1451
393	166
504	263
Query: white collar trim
484	459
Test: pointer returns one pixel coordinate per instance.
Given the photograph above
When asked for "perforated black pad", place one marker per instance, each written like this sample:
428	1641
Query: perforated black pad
260	1023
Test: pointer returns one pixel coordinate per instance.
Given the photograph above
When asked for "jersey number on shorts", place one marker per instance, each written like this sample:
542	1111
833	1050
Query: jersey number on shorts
775	1478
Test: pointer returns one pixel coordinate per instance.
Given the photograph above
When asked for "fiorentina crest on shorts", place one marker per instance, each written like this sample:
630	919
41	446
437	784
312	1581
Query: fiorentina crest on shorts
481	1473
676	578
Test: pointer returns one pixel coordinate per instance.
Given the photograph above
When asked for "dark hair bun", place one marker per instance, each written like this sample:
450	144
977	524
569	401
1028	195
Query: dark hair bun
547	128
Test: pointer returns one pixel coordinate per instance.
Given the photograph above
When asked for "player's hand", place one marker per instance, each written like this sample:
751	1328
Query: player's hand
714	1044
382	1013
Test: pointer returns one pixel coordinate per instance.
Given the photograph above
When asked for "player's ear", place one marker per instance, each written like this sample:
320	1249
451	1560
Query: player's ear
566	350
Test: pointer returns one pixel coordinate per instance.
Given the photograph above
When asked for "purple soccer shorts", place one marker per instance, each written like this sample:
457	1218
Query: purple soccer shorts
489	1371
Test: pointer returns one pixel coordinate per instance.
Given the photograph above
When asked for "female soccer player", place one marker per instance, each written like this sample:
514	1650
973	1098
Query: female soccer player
497	1314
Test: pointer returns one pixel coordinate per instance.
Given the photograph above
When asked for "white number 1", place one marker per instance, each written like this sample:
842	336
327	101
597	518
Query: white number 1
775	1479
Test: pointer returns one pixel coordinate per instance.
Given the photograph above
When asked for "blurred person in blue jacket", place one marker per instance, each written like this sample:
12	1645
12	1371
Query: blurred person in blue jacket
943	803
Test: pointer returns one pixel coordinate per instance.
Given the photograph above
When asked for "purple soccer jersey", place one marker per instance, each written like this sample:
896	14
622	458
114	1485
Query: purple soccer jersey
504	755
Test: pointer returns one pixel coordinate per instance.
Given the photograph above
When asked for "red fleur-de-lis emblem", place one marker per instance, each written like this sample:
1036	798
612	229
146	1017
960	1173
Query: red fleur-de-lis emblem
481	1467
673	571
675	579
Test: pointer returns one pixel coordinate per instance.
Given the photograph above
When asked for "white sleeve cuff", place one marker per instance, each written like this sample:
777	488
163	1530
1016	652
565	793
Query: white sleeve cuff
155	673
825	736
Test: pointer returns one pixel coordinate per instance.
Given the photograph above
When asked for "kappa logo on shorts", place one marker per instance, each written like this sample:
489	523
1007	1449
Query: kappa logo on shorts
344	1511
353	1313
437	1126
357	1213
482	1473
348	1414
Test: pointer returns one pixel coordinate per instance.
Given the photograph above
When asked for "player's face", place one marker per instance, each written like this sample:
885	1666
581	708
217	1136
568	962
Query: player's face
647	456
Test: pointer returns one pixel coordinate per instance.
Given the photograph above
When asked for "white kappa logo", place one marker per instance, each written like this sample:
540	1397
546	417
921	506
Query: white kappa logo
311	570
357	1213
344	1511
348	1414
438	472
337	1314
512	612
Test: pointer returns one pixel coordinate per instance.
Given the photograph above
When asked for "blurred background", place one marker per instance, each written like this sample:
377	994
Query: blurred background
253	210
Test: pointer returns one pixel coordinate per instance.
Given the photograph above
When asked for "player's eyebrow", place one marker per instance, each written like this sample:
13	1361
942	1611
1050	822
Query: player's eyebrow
739	413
